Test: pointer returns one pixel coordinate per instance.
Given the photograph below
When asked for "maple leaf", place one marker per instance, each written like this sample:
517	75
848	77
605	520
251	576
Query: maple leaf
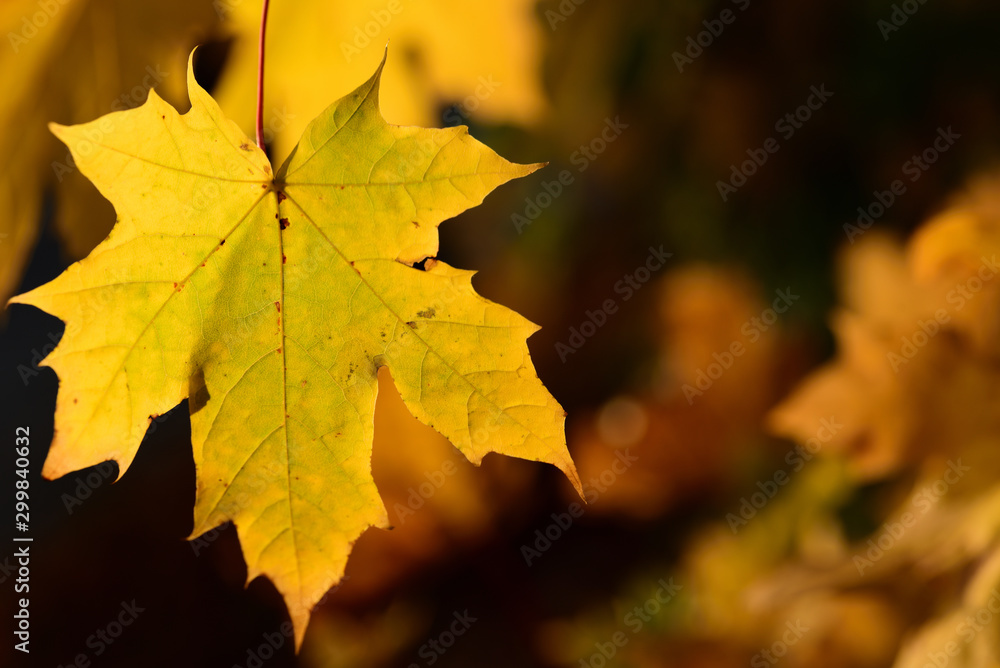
486	52
911	376
271	301
114	59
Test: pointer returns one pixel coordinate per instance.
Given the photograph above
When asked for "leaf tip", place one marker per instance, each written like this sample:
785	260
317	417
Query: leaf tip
23	298
534	167
192	83
569	470
300	626
58	130
381	65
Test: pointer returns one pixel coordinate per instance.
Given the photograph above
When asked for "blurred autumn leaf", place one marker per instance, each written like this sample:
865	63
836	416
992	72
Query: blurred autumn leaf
676	434
116	57
916	370
916	387
914	394
483	55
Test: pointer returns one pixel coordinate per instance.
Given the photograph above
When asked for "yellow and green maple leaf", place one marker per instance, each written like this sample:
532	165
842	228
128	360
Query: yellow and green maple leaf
270	299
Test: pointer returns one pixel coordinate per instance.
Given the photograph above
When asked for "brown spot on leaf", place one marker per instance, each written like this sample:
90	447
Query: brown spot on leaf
281	197
428	313
245	146
277	305
412	324
222	243
283	223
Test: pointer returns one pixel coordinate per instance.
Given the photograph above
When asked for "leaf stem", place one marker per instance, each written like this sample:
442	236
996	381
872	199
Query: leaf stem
260	77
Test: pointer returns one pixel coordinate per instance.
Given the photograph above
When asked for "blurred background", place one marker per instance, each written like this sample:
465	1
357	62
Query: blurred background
763	257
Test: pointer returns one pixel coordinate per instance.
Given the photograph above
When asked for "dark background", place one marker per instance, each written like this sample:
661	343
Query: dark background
655	185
